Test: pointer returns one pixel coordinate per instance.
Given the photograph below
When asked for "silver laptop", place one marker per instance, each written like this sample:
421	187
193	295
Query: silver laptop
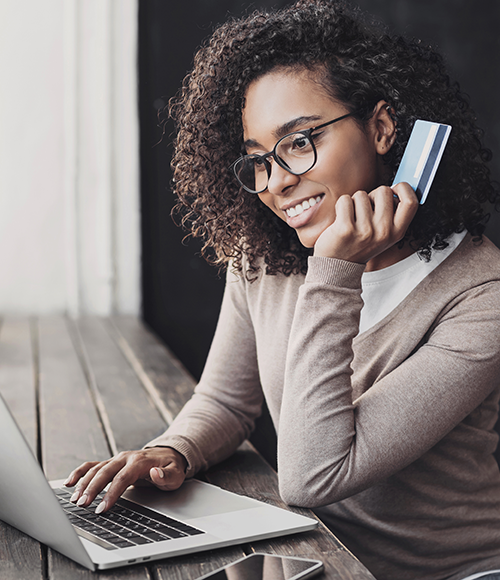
146	524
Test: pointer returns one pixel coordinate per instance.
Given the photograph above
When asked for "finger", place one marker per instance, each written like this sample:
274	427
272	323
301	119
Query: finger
86	479
344	213
383	212
363	211
79	472
406	208
382	200
113	471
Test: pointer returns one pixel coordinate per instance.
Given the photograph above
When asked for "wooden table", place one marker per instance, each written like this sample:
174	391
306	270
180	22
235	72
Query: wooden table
85	389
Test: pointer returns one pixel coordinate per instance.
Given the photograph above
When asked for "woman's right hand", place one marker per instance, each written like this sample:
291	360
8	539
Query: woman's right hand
162	466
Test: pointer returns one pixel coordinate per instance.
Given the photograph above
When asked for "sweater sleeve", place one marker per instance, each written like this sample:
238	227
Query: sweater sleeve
331	447
227	400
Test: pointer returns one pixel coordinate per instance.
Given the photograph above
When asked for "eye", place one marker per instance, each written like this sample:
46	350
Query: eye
294	145
300	141
259	163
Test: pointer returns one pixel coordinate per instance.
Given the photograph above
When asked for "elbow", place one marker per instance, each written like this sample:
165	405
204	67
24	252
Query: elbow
300	492
313	488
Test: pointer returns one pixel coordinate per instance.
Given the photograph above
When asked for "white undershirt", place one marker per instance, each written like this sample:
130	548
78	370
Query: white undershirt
384	289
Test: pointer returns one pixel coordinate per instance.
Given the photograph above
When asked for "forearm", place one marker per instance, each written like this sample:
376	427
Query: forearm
331	447
318	378
205	433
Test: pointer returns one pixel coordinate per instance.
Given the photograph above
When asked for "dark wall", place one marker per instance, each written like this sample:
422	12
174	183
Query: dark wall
181	293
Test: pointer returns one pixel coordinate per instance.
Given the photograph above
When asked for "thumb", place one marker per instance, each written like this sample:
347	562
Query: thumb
166	478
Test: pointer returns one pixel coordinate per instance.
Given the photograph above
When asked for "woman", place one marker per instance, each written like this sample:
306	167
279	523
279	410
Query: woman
370	324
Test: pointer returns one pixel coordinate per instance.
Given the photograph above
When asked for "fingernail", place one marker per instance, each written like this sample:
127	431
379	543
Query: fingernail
75	496
67	481
160	472
101	507
82	500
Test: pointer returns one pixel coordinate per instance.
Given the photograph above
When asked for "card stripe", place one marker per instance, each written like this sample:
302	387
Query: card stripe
425	151
428	172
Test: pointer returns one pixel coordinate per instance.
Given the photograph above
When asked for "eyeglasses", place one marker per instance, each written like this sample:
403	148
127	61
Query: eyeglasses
295	152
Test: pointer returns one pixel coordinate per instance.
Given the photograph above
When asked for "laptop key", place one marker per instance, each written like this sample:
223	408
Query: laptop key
122	544
170	532
140	540
156	537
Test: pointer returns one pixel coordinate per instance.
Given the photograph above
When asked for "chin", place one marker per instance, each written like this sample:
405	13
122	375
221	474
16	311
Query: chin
309	236
308	241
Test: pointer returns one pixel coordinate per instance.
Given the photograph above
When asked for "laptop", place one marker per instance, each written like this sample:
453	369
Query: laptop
146	524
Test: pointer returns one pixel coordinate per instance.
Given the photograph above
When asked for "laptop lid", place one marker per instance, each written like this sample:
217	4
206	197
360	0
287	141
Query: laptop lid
28	503
26	499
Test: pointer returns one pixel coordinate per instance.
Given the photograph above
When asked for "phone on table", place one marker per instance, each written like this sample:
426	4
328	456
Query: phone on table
422	156
267	567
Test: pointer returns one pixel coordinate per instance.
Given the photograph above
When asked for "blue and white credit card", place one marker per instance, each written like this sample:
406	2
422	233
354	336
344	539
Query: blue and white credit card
422	156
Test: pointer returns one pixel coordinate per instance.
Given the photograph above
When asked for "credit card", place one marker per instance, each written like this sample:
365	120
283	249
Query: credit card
422	156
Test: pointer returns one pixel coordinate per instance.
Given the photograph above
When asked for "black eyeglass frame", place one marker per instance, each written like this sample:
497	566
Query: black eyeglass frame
307	133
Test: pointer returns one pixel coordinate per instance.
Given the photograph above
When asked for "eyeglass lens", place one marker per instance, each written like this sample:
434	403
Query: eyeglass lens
295	153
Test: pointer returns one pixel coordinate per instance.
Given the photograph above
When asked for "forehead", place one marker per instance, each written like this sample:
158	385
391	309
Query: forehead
278	97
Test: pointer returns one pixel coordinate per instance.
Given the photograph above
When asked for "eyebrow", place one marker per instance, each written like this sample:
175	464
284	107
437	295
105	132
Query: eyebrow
286	128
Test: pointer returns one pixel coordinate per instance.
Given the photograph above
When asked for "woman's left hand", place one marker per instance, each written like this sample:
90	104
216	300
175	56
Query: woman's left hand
367	224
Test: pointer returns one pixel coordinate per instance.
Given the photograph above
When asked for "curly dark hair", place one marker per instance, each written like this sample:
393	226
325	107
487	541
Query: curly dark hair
360	66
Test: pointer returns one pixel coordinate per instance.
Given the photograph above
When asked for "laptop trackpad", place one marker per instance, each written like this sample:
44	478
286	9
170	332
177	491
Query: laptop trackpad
194	499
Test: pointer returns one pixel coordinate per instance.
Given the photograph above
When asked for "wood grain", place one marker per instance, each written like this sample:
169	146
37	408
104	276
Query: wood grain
21	557
172	381
70	426
132	415
17	375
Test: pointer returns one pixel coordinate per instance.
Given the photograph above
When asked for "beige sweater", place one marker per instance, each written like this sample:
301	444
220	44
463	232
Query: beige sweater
388	434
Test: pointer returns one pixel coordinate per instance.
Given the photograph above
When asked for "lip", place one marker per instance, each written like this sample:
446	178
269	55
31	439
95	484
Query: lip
302	219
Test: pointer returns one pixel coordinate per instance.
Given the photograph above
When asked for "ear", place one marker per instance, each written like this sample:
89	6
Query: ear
384	128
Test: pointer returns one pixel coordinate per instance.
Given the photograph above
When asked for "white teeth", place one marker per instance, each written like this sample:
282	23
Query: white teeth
301	207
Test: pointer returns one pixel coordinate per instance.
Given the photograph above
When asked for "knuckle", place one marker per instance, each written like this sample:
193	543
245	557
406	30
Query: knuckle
365	236
87	466
358	194
122	455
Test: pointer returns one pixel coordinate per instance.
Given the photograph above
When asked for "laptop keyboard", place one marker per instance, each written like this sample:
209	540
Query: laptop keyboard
125	525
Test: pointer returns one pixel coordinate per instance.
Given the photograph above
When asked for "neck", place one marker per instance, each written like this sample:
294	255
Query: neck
389	257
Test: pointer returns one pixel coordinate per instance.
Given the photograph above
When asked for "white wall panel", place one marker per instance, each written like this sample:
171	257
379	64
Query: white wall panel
69	210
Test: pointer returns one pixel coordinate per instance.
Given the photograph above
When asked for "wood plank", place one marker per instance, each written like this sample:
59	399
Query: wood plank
133	417
171	380
17	375
70	426
20	555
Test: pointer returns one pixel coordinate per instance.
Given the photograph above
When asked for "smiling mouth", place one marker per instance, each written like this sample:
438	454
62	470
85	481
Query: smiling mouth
301	207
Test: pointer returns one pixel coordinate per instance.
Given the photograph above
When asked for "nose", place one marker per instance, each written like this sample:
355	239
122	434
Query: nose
280	179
